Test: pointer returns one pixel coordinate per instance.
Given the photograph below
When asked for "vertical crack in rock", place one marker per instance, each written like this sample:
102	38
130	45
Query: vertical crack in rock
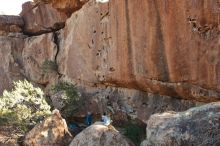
56	42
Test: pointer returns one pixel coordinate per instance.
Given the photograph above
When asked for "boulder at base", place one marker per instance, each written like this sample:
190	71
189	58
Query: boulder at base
51	132
199	126
100	135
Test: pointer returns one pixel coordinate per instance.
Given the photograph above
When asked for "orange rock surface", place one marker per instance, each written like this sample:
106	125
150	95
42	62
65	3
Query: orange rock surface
169	47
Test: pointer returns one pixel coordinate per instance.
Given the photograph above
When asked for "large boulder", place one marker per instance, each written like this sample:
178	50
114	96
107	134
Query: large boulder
165	47
100	135
196	126
39	56
10	24
53	131
66	6
41	18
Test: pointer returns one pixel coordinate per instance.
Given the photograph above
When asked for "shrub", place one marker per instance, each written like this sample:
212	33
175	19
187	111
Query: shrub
72	100
23	106
49	66
134	132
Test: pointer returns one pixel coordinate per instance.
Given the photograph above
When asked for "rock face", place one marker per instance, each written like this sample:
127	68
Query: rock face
196	126
130	56
51	132
165	47
122	102
100	135
10	50
10	24
38	56
41	18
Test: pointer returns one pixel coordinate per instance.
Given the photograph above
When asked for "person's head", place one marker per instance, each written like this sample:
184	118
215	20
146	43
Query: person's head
104	113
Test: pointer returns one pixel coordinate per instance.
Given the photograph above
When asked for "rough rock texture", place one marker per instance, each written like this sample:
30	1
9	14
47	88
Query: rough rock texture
10	24
58	100
52	131
196	126
100	135
123	102
7	137
10	52
66	6
41	18
168	47
38	56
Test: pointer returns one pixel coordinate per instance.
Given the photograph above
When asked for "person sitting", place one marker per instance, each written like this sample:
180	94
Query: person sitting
88	118
106	120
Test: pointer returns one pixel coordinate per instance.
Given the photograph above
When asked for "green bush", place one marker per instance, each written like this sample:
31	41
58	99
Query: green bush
23	106
134	132
73	100
49	66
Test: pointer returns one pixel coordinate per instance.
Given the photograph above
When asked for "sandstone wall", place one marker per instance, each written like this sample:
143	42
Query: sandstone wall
167	47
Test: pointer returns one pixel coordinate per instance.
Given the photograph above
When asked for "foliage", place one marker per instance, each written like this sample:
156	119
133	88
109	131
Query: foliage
72	100
50	66
25	105
134	132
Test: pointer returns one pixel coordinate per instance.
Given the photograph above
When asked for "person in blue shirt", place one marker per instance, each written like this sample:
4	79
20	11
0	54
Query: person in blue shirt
88	118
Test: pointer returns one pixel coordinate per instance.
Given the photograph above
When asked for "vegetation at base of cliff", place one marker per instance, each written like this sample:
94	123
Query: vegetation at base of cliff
134	131
49	66
24	106
73	100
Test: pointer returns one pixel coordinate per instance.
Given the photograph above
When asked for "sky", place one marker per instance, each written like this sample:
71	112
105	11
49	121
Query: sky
11	7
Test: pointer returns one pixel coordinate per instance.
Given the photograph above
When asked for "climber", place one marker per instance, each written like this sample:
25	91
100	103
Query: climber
88	118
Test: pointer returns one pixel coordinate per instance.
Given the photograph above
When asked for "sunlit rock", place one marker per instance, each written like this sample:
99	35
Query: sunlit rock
52	131
196	126
100	135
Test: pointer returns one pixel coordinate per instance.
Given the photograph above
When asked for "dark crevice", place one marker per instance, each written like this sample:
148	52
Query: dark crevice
56	42
46	30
